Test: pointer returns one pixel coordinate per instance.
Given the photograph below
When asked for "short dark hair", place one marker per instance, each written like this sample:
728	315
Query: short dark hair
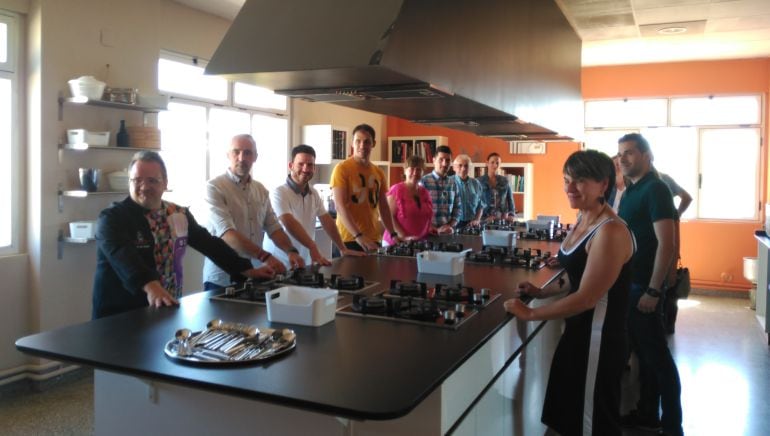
149	156
364	128
493	154
443	149
415	161
641	143
302	148
591	164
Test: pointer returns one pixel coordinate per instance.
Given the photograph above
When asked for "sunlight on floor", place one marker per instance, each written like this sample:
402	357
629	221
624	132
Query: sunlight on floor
715	398
687	304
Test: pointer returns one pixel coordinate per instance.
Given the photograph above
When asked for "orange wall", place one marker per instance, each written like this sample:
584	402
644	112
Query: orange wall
549	198
713	251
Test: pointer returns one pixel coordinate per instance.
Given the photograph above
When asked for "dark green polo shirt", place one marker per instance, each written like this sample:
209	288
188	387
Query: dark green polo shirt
645	202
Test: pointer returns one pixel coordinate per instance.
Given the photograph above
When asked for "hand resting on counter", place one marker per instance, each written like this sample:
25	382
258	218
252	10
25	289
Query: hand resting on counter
157	296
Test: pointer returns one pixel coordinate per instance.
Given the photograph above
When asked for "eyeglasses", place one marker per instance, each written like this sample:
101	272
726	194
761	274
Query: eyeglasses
151	181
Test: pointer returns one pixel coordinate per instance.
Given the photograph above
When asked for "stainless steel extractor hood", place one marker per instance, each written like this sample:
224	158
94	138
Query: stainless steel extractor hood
491	67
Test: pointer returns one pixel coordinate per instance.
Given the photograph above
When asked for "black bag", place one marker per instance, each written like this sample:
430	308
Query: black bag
682	285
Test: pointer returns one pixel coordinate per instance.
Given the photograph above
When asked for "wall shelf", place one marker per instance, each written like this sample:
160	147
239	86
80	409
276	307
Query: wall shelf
104	103
69	240
83	147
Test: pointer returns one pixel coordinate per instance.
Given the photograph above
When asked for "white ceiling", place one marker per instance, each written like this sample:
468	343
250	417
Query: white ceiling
625	31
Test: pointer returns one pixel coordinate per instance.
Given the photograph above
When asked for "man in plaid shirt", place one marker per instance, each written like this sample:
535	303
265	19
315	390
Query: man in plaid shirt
443	192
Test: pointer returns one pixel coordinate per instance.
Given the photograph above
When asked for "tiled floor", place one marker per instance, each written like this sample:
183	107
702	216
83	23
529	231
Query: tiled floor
721	351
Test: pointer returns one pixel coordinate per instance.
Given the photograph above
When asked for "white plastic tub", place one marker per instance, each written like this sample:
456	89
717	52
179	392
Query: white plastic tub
441	262
83	229
301	305
499	238
83	136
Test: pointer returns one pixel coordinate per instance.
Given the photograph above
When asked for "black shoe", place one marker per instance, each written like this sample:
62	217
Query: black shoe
635	420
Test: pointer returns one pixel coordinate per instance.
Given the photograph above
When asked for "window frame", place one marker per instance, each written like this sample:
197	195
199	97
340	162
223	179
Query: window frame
699	128
229	104
9	70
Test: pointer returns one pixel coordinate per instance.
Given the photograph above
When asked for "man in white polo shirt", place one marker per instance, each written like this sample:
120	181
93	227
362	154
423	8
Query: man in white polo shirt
297	205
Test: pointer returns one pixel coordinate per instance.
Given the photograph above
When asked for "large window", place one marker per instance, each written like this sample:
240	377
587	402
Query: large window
9	141
710	146
205	113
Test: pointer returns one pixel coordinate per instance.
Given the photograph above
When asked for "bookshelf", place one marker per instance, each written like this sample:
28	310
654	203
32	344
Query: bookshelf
520	178
402	147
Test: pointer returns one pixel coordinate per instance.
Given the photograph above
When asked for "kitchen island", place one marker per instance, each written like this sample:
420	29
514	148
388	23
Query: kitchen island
351	376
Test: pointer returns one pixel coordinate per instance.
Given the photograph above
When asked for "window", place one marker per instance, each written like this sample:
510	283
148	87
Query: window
205	113
9	141
626	113
709	162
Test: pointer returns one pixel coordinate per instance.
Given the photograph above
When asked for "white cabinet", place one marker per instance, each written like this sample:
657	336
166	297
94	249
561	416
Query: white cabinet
330	142
520	178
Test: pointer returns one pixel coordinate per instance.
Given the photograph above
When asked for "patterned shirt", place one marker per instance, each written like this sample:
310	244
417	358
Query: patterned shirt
497	200
169	229
445	196
471	197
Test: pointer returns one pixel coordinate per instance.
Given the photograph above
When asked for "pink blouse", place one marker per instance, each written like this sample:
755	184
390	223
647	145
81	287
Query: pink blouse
414	218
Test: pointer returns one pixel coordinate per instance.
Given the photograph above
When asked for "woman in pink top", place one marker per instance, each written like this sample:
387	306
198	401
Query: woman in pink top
410	205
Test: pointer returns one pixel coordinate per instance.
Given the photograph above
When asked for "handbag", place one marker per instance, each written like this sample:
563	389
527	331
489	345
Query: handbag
682	285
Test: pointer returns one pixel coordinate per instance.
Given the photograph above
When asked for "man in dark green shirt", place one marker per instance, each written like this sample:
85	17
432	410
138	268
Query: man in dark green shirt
648	209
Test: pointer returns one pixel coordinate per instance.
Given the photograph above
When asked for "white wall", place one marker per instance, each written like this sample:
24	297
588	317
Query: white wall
67	39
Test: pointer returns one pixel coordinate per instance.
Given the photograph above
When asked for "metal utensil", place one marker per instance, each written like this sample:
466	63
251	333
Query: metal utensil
183	346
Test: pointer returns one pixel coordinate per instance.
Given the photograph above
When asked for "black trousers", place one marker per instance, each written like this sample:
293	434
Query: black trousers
659	385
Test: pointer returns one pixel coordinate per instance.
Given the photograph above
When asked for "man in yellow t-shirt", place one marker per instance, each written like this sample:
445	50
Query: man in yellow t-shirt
360	195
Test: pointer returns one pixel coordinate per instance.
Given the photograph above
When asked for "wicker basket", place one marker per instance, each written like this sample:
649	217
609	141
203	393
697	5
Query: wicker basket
143	137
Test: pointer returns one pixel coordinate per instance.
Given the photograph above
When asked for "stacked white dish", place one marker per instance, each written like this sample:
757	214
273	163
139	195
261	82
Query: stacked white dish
83	136
118	180
87	87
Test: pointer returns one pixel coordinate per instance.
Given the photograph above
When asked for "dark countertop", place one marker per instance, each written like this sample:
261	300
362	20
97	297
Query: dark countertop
352	367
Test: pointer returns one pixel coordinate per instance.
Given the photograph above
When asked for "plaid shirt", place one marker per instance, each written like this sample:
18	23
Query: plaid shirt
471	197
445	196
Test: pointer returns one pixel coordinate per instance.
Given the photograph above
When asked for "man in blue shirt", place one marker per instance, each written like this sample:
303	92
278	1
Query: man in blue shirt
471	193
649	211
443	192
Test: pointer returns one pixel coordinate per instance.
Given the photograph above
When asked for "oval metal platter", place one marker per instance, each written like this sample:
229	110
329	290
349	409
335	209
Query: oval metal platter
231	346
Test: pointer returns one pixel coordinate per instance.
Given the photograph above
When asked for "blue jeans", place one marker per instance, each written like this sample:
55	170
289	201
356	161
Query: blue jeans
659	385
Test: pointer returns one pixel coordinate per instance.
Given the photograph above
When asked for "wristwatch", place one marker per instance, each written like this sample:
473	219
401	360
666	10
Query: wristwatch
652	292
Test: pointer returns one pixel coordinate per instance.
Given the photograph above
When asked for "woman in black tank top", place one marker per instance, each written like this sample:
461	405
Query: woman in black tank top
583	394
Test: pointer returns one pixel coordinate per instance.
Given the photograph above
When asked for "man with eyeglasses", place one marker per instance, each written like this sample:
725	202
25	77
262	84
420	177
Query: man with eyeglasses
141	242
240	213
470	191
443	192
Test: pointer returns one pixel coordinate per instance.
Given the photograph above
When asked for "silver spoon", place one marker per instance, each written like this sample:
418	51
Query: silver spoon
183	346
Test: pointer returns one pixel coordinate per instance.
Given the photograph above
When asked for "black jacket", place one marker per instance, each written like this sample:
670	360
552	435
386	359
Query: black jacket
125	260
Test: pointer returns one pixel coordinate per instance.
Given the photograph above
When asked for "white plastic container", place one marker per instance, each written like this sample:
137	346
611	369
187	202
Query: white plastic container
499	238
87	87
533	225
301	305
83	229
441	262
83	136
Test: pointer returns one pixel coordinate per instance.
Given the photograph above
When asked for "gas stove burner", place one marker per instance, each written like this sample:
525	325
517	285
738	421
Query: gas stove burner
481	257
400	249
452	247
351	283
303	277
495	250
470	230
455	294
417	310
248	291
375	305
408	289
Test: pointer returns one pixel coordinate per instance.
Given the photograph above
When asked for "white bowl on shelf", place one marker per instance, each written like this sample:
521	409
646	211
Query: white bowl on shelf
87	87
118	180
